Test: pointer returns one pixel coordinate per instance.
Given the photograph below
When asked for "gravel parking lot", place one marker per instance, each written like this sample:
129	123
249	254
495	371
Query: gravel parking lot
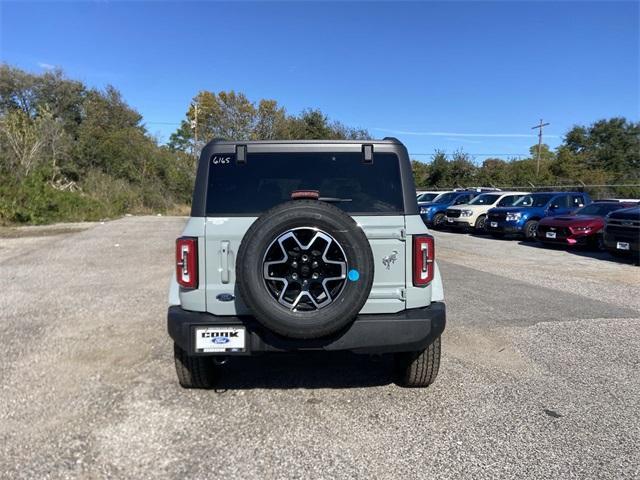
540	376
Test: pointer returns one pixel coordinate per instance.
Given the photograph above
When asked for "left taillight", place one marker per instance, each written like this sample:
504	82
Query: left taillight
424	256
187	262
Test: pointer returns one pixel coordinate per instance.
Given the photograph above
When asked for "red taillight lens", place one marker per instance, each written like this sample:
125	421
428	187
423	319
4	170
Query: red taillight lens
187	262
424	255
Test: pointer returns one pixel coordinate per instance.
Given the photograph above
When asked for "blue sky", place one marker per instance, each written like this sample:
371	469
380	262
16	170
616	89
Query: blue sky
449	75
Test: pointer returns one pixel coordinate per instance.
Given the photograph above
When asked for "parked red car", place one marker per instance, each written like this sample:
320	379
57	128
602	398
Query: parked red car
582	227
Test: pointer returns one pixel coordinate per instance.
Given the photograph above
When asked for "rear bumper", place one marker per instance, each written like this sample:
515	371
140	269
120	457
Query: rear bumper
456	223
407	331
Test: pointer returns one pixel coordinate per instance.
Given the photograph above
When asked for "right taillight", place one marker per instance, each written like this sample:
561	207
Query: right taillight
424	255
187	262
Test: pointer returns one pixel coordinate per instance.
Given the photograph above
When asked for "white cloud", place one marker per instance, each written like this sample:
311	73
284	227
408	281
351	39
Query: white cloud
46	66
460	134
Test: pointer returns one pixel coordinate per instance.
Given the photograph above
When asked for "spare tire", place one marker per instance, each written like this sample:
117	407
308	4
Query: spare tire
304	269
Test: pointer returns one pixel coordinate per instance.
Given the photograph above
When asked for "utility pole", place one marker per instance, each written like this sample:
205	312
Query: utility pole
539	127
196	131
194	127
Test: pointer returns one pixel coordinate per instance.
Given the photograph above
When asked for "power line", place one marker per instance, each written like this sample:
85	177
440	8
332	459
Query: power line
468	153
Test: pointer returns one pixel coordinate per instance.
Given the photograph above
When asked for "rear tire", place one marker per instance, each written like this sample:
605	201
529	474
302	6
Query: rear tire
418	369
193	372
530	229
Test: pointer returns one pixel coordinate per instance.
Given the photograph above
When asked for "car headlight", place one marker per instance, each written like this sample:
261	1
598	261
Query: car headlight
466	213
581	229
424	210
514	217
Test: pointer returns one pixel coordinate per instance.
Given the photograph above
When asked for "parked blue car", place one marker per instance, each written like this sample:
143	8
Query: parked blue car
433	212
523	217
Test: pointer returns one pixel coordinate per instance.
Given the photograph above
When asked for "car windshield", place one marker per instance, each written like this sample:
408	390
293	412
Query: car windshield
446	197
509	200
427	197
485	199
535	200
600	209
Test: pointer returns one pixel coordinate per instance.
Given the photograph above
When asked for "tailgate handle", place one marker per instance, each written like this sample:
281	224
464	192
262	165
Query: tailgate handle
224	261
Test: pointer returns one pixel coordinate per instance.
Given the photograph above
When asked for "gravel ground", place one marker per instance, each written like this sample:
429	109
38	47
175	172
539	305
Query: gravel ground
540	376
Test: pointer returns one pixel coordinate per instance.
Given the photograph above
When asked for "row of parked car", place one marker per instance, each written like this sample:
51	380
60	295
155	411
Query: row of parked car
553	218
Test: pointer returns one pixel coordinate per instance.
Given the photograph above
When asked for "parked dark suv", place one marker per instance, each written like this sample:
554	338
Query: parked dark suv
622	232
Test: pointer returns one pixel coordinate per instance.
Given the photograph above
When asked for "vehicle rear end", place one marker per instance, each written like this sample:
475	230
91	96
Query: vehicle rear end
622	232
295	246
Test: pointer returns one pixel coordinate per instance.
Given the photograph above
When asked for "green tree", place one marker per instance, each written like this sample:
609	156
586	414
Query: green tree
231	115
439	170
611	145
420	173
71	153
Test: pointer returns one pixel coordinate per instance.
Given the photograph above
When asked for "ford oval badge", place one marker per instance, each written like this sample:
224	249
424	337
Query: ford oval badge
220	340
225	297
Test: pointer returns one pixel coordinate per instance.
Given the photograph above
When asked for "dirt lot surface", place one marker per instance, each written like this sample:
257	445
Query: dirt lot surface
540	375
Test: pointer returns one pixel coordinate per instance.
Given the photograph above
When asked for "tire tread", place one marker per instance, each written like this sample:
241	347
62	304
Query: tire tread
419	369
193	372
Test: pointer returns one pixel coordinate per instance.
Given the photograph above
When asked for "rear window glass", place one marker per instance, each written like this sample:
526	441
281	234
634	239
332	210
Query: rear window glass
267	179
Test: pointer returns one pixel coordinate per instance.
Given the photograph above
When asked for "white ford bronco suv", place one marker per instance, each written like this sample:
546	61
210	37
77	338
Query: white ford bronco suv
305	245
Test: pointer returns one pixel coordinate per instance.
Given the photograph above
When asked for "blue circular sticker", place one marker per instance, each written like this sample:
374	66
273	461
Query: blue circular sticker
354	275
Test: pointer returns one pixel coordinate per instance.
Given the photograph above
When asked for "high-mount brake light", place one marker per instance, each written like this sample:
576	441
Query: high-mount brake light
424	255
187	262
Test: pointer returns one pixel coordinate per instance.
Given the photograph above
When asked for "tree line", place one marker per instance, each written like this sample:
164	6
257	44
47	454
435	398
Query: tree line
71	152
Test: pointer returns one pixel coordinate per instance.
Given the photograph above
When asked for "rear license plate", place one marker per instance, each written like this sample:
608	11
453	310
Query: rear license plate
494	224
551	234
622	246
220	339
450	220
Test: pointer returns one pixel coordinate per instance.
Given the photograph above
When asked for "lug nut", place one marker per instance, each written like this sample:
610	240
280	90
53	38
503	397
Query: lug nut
305	258
315	275
294	276
314	265
294	264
